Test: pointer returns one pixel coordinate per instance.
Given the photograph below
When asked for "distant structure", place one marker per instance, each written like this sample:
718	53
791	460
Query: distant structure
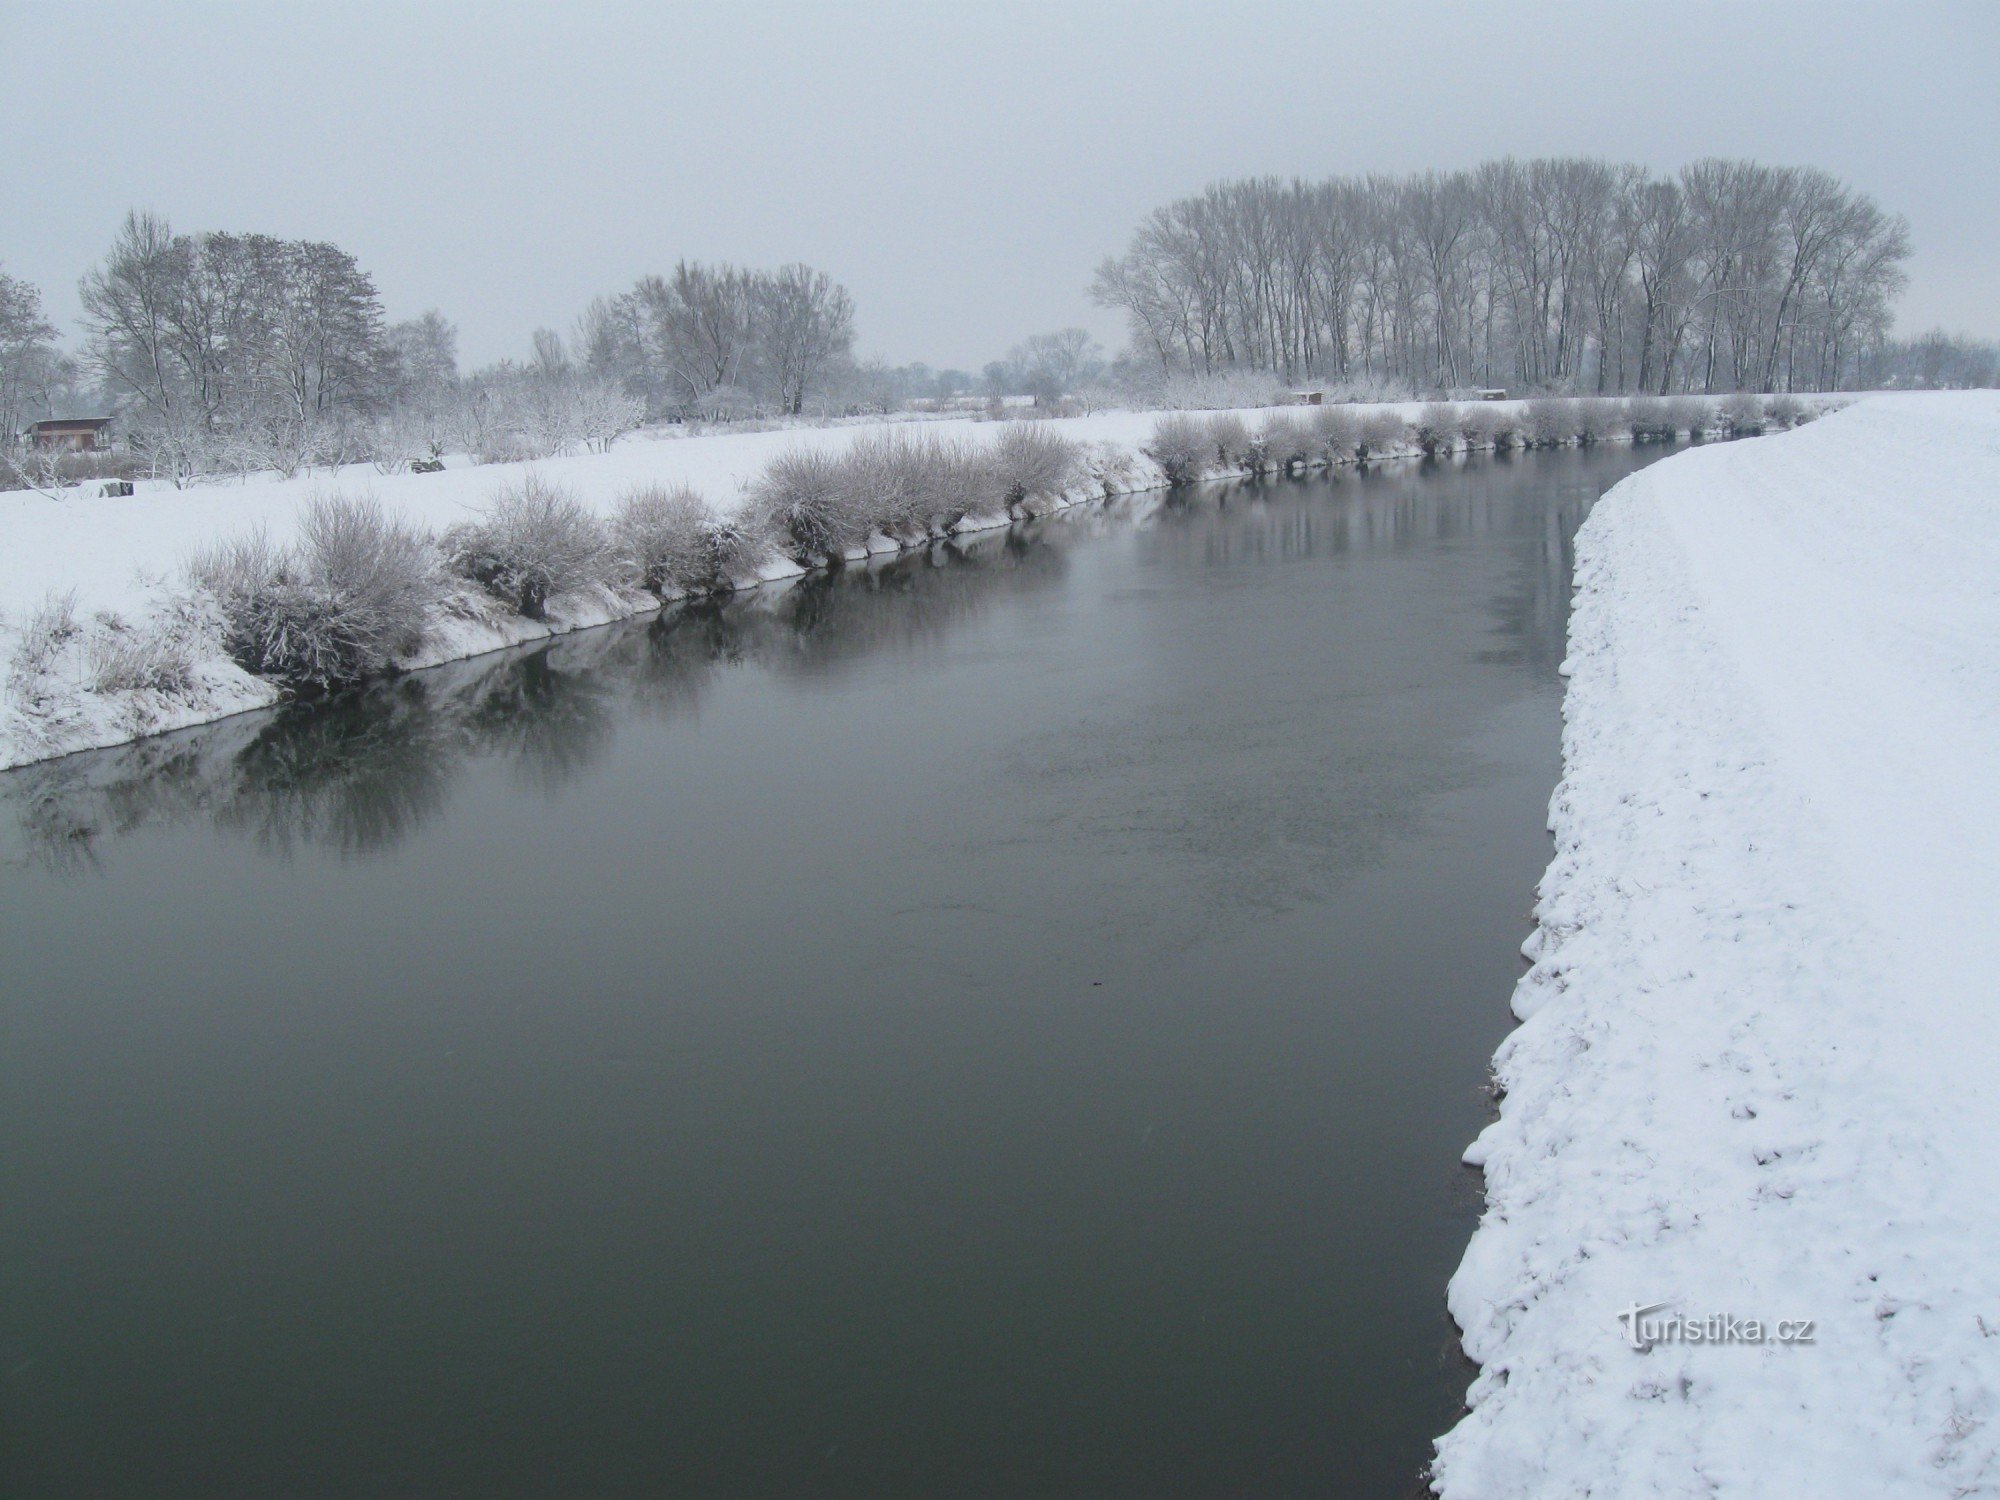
1491	395
1309	398
70	435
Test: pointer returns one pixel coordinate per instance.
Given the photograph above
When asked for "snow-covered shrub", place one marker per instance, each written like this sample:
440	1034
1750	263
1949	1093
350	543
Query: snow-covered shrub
122	658
656	539
1692	415
1032	461
1339	430
1288	443
49	628
351	597
1600	419
1180	446
533	543
1108	467
1649	418
1784	411
805	502
1229	440
889	480
962	481
1742	415
1551	421
1478	424
729	551
1382	434
1438	427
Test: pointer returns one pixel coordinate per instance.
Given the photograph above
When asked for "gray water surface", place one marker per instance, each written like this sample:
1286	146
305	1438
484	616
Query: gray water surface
1001	1023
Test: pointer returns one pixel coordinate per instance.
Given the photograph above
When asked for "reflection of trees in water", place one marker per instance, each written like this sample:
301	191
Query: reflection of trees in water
359	772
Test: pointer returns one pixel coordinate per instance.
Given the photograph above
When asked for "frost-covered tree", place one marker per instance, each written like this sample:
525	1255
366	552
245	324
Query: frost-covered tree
1555	274
29	361
1048	366
253	340
720	340
804	326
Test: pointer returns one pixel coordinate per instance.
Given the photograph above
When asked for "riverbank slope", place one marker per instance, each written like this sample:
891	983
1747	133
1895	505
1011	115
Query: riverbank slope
1754	1078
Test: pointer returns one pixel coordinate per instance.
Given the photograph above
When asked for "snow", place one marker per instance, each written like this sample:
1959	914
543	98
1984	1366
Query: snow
1756	1070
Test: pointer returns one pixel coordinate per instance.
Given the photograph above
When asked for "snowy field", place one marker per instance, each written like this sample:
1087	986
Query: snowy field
1758	1071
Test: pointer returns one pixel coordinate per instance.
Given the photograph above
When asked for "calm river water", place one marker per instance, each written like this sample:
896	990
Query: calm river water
1002	1023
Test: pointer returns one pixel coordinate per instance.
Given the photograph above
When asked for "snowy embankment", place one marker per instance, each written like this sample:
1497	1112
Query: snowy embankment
1755	1077
126	558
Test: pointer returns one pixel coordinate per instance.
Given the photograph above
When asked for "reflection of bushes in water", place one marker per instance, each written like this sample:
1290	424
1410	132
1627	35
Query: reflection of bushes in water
359	771
355	774
828	619
552	717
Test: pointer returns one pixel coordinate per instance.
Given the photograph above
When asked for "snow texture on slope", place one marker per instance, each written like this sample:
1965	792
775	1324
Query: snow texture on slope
1758	1070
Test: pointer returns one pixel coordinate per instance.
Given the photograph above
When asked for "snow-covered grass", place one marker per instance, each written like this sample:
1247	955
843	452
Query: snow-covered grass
1755	1075
762	505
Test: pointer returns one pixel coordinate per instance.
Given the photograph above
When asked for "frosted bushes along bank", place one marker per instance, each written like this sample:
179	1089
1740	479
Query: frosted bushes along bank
534	543
509	557
816	507
1189	448
352	596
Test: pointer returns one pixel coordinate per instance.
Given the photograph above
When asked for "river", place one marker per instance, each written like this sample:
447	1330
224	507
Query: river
1001	1022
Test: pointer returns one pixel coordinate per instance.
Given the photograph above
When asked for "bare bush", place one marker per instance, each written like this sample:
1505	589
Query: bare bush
1437	428
1600	419
1339	429
125	659
1033	462
964	481
1650	419
1689	414
1288	443
534	543
730	551
1181	447
1478	425
352	596
50	627
891	483
804	500
657	539
1229	440
1784	411
1550	421
1742	415
1382	433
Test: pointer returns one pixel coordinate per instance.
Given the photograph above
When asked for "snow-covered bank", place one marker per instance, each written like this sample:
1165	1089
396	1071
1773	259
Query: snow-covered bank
125	557
1754	1078
103	638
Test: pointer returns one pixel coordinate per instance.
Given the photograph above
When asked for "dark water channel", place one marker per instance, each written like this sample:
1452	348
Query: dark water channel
1002	1023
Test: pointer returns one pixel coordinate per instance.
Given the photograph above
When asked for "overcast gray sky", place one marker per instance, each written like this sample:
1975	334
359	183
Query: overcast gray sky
961	166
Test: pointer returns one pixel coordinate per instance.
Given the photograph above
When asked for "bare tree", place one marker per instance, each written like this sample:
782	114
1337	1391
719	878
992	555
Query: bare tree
805	324
28	357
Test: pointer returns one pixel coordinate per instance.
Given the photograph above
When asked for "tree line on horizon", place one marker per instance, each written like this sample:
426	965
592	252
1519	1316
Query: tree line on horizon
1566	274
225	352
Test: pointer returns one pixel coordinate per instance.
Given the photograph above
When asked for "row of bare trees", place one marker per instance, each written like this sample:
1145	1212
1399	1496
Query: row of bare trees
1567	273
238	337
721	340
245	352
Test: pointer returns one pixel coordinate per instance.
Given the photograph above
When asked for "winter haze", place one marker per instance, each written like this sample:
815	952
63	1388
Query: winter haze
961	169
